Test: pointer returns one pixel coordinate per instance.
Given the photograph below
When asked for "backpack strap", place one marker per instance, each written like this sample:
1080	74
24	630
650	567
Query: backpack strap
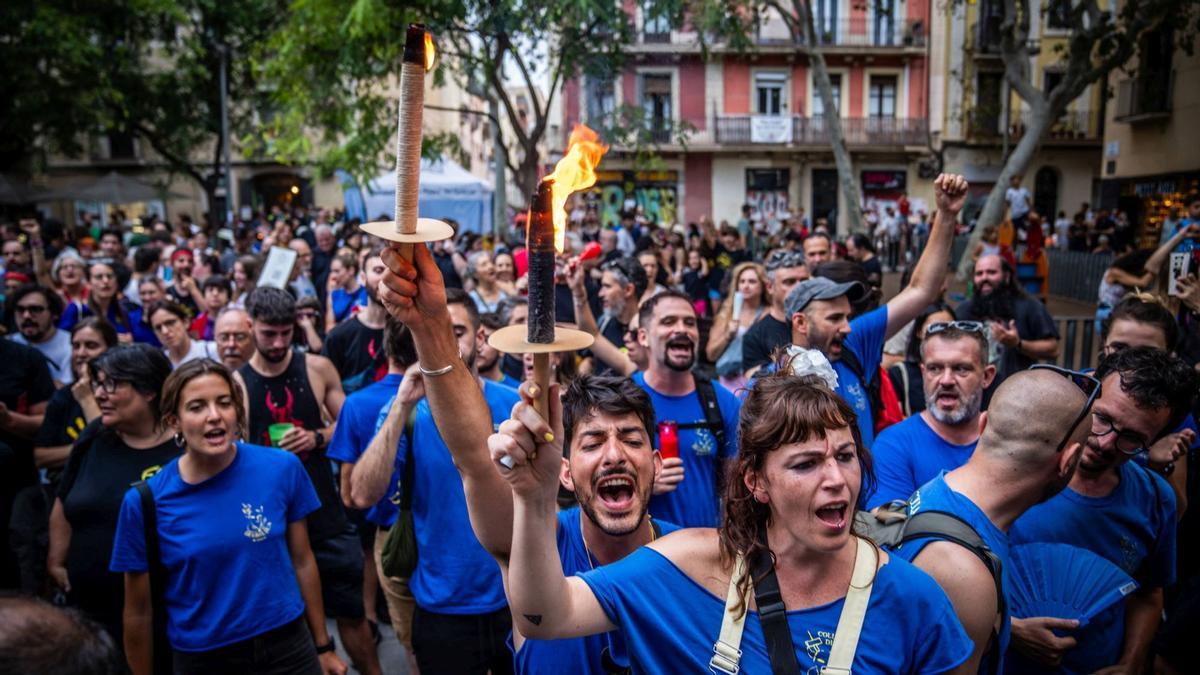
712	410
854	609
158	574
407	476
726	651
772	613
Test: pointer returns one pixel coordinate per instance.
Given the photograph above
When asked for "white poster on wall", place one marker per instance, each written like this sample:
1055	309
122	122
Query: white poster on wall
770	129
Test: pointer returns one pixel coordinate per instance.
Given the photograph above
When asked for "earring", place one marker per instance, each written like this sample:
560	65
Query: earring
180	440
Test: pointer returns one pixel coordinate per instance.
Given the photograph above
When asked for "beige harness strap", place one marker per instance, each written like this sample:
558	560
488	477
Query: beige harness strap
854	610
726	652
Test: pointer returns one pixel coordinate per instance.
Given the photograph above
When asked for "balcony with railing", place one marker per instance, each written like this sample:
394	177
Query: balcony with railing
1144	98
860	31
806	131
1074	127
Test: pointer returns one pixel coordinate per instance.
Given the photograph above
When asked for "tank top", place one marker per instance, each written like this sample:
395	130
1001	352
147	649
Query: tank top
289	398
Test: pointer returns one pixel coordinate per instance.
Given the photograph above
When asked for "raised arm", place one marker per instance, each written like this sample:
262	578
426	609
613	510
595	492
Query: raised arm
545	603
950	190
602	348
372	473
415	294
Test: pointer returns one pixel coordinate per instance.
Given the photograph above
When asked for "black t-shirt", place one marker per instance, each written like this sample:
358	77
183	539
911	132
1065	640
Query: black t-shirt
1033	323
183	298
763	338
289	397
357	354
614	331
98	473
874	271
445	263
63	422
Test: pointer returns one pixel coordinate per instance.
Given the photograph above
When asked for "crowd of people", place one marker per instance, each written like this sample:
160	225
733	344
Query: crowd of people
744	472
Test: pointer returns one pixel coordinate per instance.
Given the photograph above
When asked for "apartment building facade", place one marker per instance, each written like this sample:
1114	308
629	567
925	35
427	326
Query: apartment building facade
976	118
757	129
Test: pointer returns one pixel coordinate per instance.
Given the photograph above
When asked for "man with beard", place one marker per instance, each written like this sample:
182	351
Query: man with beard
461	619
1024	457
941	438
183	288
611	464
37	310
1021	328
785	269
356	345
290	387
688	489
622	282
233	335
820	309
490	358
1118	510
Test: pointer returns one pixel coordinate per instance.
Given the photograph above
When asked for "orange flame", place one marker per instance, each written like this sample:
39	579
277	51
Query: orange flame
575	171
430	52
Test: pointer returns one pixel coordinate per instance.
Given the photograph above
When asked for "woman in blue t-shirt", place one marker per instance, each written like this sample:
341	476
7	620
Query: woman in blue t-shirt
790	494
240	580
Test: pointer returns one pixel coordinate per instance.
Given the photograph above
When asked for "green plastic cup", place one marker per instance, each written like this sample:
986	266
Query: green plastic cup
278	431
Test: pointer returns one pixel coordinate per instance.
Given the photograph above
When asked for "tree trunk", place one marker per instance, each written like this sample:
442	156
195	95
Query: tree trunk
527	174
1036	124
841	156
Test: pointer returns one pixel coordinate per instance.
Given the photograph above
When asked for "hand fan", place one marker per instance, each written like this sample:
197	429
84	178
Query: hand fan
1063	581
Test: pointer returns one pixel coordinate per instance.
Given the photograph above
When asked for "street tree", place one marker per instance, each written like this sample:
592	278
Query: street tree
1101	41
734	22
149	69
329	64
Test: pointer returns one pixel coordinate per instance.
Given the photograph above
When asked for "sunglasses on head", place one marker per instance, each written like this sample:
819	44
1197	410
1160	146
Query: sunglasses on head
1086	382
968	326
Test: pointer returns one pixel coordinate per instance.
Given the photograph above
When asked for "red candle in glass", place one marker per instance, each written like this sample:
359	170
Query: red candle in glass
668	439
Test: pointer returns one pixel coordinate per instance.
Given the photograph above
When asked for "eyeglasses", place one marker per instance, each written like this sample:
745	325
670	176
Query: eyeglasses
223	338
31	309
1127	442
968	326
107	385
1087	383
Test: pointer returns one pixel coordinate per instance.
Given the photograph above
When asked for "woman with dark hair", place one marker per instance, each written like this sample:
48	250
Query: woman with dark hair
345	295
104	299
126	444
237	594
906	375
790	498
245	278
72	408
170	321
1131	272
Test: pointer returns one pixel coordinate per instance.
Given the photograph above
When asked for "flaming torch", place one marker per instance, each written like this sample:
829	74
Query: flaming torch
407	229
545	235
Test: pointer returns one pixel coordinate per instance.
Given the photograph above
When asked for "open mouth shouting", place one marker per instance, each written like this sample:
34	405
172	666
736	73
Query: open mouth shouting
681	349
216	438
616	492
833	515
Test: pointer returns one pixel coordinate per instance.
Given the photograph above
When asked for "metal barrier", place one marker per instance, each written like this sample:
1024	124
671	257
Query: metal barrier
1077	275
1079	342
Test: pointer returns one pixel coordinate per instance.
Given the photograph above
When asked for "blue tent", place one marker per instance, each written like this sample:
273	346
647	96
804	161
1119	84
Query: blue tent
448	191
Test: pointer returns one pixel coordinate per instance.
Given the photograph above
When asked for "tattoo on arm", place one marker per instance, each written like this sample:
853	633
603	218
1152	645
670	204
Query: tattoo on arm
535	619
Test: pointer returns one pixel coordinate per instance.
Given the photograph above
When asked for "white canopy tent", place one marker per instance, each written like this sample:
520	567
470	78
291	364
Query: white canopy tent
448	191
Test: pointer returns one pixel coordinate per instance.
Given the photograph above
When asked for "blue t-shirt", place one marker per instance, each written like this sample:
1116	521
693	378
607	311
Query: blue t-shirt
910	625
344	303
695	501
936	495
357	424
575	655
867	335
224	546
908	455
454	574
1133	527
141	330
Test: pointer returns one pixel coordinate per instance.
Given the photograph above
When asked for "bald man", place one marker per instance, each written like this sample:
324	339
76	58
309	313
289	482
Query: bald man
1023	458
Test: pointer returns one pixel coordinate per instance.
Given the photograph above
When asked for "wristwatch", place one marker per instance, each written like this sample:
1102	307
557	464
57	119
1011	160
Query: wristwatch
318	440
327	647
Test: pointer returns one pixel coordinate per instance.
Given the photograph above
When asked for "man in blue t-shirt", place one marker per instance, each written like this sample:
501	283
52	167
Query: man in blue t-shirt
359	421
1023	456
611	466
941	438
820	310
687	491
1116	509
461	618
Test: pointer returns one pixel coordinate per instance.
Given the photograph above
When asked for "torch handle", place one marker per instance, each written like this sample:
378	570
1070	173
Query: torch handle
408	150
541	377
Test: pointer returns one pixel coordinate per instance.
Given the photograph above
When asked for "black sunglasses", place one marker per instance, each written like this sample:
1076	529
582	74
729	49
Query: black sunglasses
1086	383
968	326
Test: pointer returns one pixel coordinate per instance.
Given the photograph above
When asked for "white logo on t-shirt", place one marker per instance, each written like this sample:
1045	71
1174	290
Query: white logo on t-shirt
259	526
